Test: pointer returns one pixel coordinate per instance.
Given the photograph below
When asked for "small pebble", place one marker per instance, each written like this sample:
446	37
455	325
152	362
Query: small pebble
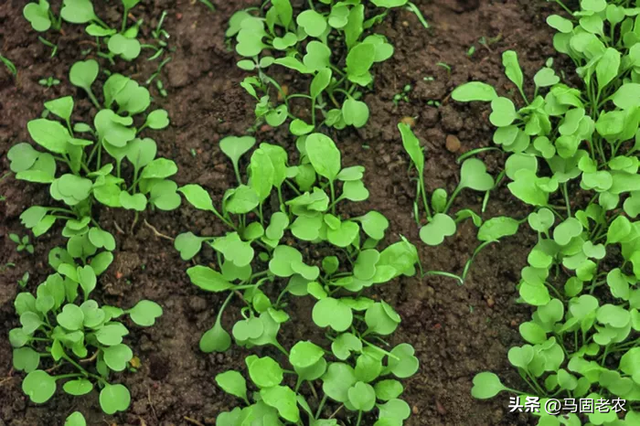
490	302
415	410
409	121
453	143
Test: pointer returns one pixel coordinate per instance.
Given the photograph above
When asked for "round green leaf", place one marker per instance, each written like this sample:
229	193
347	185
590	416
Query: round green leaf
78	387
114	398
145	313
39	386
486	385
440	226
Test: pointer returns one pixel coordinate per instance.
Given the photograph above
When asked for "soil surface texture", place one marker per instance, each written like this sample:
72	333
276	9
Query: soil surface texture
457	330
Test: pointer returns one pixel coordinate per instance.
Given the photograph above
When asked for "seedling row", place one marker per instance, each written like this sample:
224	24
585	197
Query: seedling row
287	234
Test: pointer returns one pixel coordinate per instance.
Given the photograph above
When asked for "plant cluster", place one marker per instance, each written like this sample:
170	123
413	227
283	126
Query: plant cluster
440	222
22	243
329	42
120	42
92	156
277	210
572	157
65	330
104	161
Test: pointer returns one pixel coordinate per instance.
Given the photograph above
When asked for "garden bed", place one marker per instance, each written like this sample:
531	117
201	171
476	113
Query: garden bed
457	330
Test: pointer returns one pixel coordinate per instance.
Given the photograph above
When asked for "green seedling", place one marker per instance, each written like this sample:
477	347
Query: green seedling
10	66
22	243
52	46
414	9
157	72
402	96
581	278
488	42
209	5
63	327
161	89
83	163
3	177
122	42
445	66
6	266
49	82
41	17
259	259
75	419
471	50
304	43
161	36
440	222
22	282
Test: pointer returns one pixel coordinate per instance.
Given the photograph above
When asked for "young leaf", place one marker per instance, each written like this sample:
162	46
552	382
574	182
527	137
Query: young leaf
75	419
145	312
208	279
474	91
77	11
84	73
38	15
114	398
440	226
486	385
512	68
474	175
412	146
324	155
233	383
39	386
215	339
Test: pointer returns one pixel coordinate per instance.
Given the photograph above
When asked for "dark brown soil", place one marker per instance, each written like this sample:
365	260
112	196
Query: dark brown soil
457	330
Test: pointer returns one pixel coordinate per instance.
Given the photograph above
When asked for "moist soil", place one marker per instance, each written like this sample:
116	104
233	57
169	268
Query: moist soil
457	330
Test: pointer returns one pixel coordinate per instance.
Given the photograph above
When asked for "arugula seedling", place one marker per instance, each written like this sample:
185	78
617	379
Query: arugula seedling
254	261
581	275
10	66
22	243
93	158
58	330
22	282
440	224
414	9
473	175
303	43
49	82
122	42
209	5
402	96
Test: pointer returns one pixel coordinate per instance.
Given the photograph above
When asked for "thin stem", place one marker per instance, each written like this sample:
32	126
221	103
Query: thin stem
93	98
566	198
452	198
321	406
359	418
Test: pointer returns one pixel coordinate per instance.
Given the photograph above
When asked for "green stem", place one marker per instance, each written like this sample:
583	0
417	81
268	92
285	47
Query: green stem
93	98
452	198
333	197
566	198
321	406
